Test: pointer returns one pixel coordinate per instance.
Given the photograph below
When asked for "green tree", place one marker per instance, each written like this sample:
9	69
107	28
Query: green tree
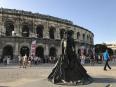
100	48
110	51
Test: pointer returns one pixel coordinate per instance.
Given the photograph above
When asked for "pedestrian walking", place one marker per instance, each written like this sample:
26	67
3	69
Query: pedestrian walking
92	59
36	60
20	60
106	59
83	59
8	60
29	61
32	59
25	61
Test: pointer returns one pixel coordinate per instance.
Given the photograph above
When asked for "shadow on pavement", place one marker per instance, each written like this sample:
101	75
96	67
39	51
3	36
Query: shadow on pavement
104	80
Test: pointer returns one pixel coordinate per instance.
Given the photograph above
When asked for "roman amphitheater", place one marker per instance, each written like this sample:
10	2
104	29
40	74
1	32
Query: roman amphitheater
18	29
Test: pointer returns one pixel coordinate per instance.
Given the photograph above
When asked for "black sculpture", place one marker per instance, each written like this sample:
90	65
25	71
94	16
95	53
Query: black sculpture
68	68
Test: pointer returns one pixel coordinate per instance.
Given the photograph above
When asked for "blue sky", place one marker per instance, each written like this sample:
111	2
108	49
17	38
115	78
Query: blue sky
99	16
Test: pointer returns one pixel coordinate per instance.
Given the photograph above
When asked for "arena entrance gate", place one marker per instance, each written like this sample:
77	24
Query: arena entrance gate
7	52
24	50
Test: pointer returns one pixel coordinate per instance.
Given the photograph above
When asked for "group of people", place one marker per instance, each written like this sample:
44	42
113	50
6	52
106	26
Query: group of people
25	60
105	57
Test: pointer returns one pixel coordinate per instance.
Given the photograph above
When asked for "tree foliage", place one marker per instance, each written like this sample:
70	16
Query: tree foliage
110	51
100	48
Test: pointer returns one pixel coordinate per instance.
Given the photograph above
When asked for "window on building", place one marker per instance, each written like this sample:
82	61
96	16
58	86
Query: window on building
39	31
78	35
52	52
52	32
7	52
87	37
83	37
40	52
24	51
62	32
9	28
25	30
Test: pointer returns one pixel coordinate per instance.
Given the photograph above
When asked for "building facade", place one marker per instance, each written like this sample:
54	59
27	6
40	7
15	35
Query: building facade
18	29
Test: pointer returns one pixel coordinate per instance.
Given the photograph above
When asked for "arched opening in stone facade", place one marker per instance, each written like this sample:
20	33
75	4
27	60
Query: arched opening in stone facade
24	51
87	37
40	52
52	32
52	52
78	35
25	30
39	31
83	37
7	52
90	39
9	28
62	32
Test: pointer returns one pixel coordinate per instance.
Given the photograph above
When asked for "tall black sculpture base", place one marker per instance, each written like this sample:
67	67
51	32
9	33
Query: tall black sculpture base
69	72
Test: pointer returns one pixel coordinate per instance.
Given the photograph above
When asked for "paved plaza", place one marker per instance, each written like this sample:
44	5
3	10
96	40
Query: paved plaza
36	76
